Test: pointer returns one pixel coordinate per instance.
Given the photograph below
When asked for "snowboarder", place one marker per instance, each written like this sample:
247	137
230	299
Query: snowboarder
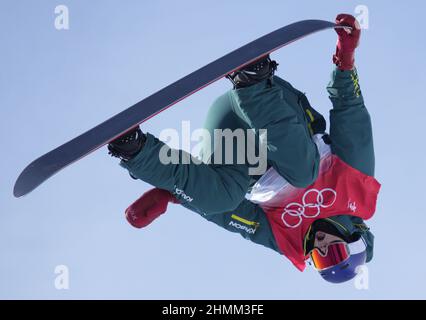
319	188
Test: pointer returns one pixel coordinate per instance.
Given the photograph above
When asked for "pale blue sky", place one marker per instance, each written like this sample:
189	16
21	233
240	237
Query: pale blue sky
55	85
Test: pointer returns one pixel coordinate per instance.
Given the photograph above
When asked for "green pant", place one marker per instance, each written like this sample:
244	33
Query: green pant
217	191
214	188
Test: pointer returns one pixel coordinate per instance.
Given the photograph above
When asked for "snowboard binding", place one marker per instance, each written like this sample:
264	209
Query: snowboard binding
128	145
261	69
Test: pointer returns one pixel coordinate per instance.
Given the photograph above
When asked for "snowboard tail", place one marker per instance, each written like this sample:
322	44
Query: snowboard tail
52	162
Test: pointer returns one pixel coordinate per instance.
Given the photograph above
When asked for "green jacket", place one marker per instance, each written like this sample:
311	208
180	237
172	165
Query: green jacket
217	191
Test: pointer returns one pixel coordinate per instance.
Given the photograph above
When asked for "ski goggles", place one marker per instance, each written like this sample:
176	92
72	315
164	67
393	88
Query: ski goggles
336	252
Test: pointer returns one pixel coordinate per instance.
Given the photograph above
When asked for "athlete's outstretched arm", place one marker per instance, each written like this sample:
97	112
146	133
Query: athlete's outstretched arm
248	219
350	124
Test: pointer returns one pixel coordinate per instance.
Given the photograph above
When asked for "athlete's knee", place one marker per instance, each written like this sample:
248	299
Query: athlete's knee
306	173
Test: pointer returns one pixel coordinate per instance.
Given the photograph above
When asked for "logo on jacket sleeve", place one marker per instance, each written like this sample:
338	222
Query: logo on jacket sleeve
248	226
183	195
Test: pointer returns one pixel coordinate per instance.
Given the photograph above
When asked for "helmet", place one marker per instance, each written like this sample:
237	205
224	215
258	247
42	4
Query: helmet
347	259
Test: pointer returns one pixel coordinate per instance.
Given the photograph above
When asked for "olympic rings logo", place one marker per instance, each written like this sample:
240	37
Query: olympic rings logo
325	198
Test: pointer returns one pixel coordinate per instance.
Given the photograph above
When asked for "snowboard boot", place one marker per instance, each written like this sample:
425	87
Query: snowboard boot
259	70
128	145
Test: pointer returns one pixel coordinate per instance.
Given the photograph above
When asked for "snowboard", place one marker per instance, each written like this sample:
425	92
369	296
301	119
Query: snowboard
52	162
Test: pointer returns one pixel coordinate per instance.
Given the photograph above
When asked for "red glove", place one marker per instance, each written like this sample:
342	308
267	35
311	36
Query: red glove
148	207
347	41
